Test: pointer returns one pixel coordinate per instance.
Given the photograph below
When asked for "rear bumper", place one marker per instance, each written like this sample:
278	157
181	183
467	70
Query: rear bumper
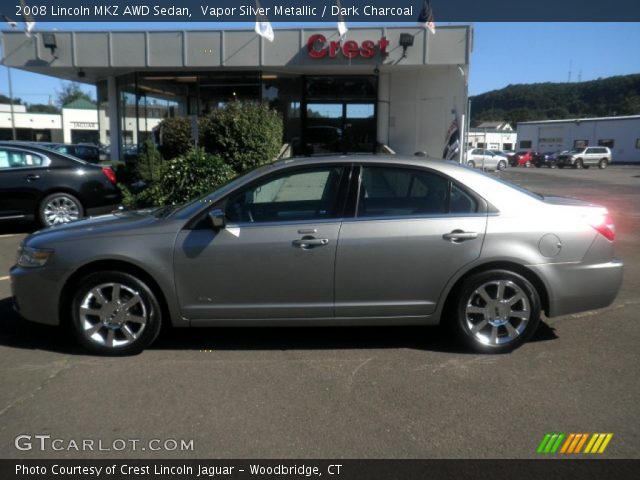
36	293
578	287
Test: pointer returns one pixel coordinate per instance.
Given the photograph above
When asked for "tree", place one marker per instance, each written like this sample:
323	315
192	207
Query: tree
70	92
42	108
6	100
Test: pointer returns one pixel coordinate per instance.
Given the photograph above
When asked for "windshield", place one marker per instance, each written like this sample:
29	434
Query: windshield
504	182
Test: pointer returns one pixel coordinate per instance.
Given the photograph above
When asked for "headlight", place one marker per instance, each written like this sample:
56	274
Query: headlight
29	257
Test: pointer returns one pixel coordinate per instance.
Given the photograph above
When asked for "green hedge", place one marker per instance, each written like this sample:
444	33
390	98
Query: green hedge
181	179
175	137
243	134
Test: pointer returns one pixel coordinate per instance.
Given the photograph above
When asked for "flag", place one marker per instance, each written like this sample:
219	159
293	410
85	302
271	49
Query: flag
426	16
28	26
452	140
342	27
12	23
263	25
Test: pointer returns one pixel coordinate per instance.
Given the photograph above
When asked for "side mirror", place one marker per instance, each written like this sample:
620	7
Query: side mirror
218	219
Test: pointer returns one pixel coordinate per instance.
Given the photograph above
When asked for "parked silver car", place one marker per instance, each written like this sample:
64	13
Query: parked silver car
486	159
585	157
326	241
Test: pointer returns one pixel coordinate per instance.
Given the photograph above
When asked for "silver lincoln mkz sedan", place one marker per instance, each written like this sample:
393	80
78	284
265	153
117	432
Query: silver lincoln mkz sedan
326	241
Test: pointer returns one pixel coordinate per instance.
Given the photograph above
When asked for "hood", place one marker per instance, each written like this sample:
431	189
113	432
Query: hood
103	225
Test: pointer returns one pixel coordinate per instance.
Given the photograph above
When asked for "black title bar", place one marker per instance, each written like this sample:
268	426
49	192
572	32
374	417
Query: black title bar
372	11
326	469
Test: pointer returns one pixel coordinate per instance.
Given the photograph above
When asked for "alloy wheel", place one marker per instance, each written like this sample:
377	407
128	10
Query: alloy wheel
61	209
497	312
113	315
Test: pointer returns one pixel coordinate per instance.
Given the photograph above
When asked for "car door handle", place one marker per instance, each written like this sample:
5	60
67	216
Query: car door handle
457	236
310	242
31	177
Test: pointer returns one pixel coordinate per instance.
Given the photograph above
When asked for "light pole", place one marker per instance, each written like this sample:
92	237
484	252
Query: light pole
13	121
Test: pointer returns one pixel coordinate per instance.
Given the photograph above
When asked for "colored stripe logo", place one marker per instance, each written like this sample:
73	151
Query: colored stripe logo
573	443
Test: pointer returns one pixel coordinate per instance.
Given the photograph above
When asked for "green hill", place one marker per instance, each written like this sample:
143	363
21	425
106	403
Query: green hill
605	97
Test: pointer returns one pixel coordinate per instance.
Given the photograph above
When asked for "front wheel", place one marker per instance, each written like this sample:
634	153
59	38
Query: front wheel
496	311
502	165
471	163
578	164
115	313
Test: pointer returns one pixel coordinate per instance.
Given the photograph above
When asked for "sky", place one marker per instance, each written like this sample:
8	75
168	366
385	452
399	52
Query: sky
503	53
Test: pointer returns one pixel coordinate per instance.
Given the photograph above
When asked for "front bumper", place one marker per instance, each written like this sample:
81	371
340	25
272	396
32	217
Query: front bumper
565	161
578	287
36	293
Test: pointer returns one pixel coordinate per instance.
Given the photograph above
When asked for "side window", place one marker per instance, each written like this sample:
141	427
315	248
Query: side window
392	192
461	202
16	159
310	194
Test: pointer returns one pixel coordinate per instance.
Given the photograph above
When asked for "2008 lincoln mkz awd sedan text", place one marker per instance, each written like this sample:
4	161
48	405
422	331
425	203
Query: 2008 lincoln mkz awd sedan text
326	241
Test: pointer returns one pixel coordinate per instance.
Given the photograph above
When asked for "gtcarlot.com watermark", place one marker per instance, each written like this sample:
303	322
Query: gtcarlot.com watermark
46	443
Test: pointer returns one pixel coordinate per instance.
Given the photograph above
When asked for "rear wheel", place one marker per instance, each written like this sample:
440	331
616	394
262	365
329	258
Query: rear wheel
471	163
578	164
60	207
496	311
502	165
527	163
115	313
604	163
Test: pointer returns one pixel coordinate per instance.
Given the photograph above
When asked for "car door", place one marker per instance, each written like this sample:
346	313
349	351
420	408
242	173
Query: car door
490	160
412	231
22	176
275	256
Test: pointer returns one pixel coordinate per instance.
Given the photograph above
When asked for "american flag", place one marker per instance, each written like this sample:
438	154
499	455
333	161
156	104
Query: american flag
426	16
452	141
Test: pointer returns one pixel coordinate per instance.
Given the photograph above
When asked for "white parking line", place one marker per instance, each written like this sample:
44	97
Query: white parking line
10	235
4	278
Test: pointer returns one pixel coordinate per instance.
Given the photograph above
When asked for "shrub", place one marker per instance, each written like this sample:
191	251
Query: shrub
175	137
243	134
149	163
181	179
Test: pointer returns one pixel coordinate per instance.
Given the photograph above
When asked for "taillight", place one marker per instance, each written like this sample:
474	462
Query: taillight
111	176
604	224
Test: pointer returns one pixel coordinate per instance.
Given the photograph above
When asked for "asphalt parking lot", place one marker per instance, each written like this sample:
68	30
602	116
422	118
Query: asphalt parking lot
340	393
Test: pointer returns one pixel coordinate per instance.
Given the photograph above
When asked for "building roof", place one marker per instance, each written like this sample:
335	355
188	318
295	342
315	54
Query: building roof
491	130
579	120
100	54
81	104
496	125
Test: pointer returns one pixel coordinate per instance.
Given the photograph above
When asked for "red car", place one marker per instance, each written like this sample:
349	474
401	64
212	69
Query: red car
522	159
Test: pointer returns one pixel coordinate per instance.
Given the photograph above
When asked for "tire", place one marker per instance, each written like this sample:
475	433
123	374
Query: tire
561	166
578	164
471	163
604	163
488	327
502	165
527	164
127	327
58	208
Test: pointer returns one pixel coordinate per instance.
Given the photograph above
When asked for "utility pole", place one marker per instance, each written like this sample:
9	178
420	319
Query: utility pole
13	119
570	67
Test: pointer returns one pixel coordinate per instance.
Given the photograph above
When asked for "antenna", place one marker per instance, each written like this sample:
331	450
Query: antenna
570	67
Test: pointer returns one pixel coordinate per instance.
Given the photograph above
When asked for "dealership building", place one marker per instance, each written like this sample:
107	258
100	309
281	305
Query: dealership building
620	134
378	87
